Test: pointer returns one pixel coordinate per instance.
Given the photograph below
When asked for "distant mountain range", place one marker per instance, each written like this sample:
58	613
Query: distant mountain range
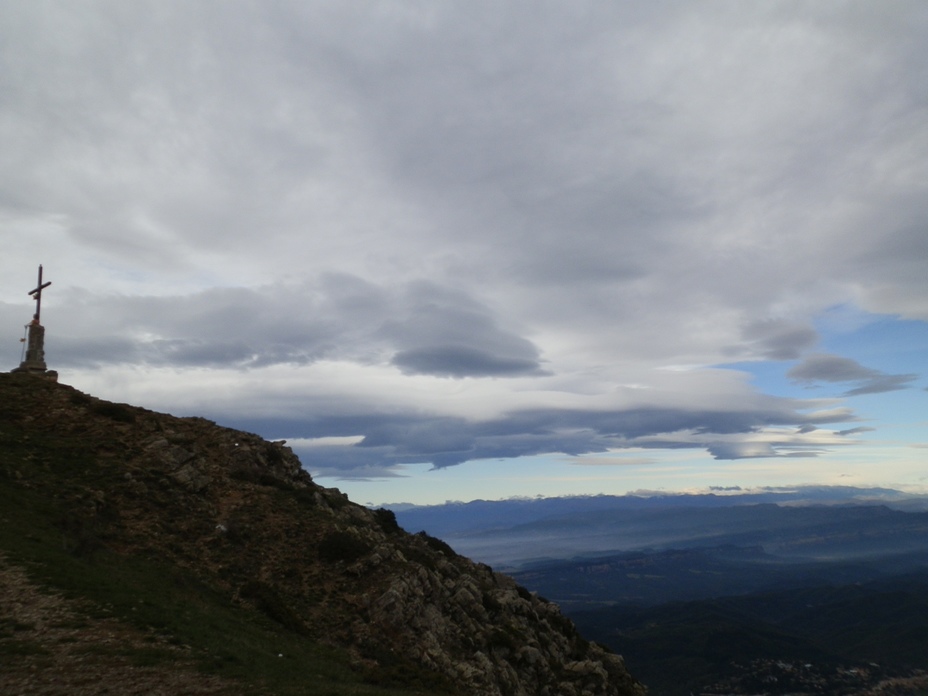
804	522
808	590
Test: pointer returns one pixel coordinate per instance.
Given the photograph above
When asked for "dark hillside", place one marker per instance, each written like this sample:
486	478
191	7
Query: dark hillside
648	578
147	548
826	639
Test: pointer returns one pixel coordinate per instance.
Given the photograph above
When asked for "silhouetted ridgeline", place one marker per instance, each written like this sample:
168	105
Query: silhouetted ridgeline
169	552
806	522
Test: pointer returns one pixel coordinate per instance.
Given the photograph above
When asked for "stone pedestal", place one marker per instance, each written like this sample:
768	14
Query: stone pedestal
34	364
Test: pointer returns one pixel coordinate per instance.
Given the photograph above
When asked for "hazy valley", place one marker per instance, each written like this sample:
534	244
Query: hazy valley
813	590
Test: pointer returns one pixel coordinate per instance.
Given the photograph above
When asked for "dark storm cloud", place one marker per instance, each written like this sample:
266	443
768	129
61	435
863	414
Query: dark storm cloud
822	367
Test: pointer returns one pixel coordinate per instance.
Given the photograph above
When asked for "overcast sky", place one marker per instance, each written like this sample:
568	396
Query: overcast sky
452	250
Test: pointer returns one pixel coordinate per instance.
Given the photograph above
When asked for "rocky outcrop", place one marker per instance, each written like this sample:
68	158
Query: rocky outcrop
491	634
243	514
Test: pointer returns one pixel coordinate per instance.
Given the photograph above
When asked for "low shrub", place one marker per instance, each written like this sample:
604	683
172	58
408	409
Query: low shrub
117	412
342	546
387	521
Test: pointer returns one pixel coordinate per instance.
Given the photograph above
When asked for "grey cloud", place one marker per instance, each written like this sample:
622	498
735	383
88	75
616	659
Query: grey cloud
461	361
566	172
834	368
830	368
582	432
352	463
420	328
447	441
445	333
883	383
779	339
530	137
855	431
893	261
754	450
741	450
200	353
556	160
91	351
425	436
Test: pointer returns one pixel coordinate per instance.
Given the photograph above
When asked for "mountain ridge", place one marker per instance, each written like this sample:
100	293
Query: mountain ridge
229	518
511	534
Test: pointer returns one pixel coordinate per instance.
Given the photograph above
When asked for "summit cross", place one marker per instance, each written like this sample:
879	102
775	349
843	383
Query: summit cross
34	359
38	294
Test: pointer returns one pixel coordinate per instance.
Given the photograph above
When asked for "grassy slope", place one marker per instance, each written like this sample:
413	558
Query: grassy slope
43	482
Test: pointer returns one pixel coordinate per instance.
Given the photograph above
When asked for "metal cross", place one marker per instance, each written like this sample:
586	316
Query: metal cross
38	293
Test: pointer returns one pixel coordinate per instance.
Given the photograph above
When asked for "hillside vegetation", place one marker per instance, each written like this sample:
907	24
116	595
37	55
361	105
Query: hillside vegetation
143	553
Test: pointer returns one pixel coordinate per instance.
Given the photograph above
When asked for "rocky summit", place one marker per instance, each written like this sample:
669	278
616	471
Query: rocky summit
161	547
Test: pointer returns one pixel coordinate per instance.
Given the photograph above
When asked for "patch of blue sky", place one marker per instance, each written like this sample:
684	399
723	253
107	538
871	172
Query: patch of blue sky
546	475
770	377
878	341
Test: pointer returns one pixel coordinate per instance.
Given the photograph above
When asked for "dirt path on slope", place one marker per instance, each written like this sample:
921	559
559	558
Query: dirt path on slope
48	645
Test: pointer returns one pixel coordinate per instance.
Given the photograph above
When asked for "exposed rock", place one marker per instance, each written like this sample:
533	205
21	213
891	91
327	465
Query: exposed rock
191	478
